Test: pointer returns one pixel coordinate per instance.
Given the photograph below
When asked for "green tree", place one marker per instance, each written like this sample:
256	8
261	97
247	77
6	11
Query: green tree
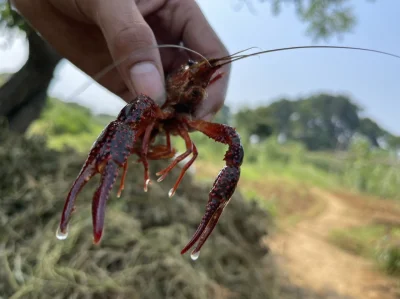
325	18
23	95
371	130
224	116
320	122
254	122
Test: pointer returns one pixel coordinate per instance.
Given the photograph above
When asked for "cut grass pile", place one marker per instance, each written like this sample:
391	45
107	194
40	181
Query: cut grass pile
139	256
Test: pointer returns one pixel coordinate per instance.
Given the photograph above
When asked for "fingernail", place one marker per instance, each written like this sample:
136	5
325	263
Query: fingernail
147	80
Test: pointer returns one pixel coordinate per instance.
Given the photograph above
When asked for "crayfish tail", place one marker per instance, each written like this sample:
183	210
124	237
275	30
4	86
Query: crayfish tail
100	197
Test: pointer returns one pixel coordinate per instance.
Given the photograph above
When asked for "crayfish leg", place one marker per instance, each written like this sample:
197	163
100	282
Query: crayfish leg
162	151
190	148
143	154
108	177
121	186
183	171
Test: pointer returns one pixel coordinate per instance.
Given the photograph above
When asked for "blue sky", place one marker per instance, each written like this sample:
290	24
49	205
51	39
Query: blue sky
369	79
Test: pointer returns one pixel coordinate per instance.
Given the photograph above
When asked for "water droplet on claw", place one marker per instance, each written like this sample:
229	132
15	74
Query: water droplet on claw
60	235
146	184
171	192
195	255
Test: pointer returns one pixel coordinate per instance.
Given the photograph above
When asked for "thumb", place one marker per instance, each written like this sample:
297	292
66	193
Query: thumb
128	35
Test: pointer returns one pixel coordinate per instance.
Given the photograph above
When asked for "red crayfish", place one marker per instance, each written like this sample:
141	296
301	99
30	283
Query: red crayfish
134	132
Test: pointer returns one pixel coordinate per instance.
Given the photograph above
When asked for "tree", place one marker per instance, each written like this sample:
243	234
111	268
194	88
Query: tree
23	96
371	130
224	115
320	122
325	18
254	122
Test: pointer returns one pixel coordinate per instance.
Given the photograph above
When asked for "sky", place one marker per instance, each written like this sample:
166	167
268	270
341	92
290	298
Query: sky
370	80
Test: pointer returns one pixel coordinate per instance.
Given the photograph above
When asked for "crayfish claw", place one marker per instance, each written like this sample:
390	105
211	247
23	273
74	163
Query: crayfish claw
224	185
88	170
110	172
210	219
219	197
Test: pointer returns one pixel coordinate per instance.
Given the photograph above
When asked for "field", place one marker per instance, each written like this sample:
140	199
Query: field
323	210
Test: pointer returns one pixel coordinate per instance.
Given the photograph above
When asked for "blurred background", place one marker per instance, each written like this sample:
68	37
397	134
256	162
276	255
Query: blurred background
317	210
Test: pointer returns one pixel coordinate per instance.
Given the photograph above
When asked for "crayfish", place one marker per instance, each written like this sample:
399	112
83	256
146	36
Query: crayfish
134	132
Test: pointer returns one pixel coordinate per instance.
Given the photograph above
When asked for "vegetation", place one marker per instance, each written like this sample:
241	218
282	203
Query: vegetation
69	124
378	242
360	166
364	165
139	256
290	145
320	122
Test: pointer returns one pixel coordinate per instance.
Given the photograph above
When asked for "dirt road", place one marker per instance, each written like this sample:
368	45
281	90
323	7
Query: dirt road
310	261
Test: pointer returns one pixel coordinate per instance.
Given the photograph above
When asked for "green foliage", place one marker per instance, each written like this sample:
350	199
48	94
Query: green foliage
69	124
325	18
321	122
10	17
371	170
371	130
378	242
391	262
363	168
224	116
254	122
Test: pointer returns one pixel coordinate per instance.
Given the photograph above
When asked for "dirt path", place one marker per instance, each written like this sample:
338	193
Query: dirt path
310	261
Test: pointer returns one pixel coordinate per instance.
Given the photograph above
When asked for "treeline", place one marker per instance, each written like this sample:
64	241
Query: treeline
320	122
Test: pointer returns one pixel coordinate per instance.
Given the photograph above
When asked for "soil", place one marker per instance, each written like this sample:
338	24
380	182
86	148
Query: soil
309	261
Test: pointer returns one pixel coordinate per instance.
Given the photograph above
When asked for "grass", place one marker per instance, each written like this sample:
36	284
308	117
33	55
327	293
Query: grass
376	242
286	200
68	125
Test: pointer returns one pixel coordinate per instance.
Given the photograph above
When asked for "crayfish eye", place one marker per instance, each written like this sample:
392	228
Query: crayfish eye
190	62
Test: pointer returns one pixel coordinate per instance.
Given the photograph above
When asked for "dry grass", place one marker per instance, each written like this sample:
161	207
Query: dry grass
139	256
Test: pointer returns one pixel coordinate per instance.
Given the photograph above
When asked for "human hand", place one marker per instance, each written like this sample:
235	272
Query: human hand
93	34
